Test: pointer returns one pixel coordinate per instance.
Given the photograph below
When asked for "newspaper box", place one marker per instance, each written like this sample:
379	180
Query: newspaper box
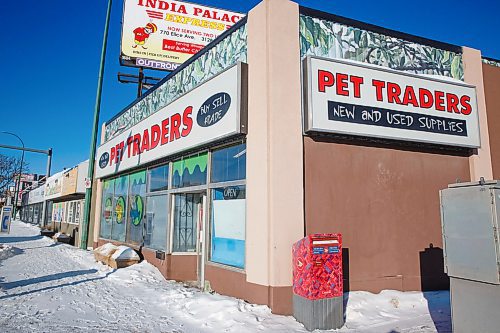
317	281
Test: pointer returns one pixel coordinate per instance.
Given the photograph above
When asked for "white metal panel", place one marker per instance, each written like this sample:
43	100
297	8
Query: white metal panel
468	233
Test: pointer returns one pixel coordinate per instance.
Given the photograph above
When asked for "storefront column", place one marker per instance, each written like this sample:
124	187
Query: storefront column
96	200
275	217
480	163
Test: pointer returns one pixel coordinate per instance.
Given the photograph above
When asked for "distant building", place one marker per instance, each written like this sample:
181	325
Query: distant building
63	195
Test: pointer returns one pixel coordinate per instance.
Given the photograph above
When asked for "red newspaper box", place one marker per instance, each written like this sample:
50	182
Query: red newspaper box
317	281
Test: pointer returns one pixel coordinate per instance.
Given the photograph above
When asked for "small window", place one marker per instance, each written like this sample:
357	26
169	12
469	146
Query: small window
156	222
69	207
228	226
229	164
191	171
78	208
158	178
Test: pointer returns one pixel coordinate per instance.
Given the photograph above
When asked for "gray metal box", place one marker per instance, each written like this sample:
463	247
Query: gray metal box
470	219
323	314
474	306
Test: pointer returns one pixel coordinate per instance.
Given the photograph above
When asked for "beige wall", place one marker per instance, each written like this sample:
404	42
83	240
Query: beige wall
69	182
480	162
275	218
95	211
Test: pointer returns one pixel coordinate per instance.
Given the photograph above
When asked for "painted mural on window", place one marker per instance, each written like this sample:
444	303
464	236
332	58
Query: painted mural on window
108	189
108	209
191	171
137	192
136	210
230	50
119	225
329	39
120	209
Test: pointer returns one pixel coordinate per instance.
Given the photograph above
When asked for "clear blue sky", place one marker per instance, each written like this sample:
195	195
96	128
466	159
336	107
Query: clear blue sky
50	53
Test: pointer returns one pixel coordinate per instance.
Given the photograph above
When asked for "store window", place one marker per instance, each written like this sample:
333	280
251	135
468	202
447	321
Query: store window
78	209
158	178
136	199
70	208
186	217
228	206
228	225
107	215
191	171
229	164
156	222
119	226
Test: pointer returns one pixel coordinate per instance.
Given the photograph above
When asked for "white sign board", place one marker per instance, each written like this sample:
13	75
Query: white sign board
356	99
227	217
163	34
205	114
54	186
81	183
37	195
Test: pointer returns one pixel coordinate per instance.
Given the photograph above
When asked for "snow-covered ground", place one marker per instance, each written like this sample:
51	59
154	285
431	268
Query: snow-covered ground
51	287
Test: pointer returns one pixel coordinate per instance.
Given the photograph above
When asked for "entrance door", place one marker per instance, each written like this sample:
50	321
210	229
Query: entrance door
188	220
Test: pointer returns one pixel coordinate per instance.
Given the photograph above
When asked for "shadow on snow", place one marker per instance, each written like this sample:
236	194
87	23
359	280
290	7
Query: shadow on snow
51	277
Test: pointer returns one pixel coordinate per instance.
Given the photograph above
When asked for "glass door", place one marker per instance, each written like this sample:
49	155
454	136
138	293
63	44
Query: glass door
188	221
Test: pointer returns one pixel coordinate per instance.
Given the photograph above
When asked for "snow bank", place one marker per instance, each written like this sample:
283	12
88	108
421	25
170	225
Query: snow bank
106	250
116	256
6	251
125	253
59	289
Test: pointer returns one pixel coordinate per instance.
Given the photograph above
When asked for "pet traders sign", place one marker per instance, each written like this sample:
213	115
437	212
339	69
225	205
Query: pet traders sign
206	114
357	99
163	34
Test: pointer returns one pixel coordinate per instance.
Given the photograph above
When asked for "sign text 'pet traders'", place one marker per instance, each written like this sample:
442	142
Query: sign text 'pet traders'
205	114
355	99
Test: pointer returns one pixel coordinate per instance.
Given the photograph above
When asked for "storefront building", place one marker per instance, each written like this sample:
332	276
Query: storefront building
32	205
296	122
65	197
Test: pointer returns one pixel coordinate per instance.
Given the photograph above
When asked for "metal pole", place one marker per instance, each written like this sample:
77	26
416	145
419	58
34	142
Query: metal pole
47	175
18	184
141	79
14	211
24	149
90	175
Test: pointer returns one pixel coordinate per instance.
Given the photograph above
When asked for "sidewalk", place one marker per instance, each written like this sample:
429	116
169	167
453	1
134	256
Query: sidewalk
51	287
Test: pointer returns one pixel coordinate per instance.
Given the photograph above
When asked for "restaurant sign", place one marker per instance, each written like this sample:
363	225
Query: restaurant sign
214	110
356	99
163	34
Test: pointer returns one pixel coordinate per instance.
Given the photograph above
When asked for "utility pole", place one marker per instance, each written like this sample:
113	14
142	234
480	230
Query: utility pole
93	142
143	81
47	175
